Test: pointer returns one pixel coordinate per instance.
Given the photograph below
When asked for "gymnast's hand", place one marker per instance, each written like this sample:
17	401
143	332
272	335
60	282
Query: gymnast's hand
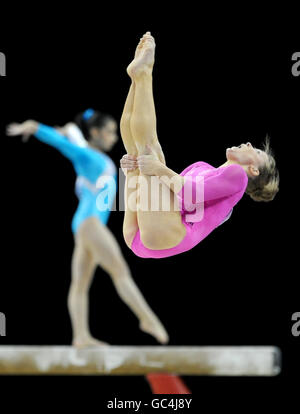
128	163
25	129
148	163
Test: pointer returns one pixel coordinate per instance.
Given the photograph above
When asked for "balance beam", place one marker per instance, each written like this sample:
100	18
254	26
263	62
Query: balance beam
141	360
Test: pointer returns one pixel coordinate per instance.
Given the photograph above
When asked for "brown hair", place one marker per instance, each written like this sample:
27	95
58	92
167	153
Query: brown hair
265	186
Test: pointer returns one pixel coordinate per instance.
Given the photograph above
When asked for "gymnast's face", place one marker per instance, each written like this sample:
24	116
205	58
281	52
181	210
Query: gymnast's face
105	137
249	157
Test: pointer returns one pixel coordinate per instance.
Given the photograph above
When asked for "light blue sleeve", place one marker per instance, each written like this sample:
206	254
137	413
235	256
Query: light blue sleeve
74	135
87	163
50	136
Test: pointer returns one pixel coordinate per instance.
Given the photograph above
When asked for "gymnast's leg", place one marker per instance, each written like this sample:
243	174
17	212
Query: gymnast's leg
128	140
158	229
130	224
107	254
143	119
83	268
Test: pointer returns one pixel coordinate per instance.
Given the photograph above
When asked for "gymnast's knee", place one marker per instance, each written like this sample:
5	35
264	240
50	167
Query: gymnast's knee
79	285
118	268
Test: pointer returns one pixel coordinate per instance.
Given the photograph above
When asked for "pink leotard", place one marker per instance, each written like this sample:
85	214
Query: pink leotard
222	188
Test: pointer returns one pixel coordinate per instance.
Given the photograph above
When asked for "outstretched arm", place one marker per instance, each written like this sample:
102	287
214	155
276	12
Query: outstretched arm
73	134
46	134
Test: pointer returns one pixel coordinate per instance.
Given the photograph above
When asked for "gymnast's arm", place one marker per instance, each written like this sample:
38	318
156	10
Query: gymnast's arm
148	165
48	135
73	134
74	146
170	178
225	182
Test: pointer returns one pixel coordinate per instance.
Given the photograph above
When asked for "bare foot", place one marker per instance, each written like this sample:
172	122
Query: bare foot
88	342
156	329
139	47
144	57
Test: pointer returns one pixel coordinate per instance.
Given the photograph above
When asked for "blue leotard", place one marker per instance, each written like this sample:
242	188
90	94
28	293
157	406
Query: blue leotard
96	183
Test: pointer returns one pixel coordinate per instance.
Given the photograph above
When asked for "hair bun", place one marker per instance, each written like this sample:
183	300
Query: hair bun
87	114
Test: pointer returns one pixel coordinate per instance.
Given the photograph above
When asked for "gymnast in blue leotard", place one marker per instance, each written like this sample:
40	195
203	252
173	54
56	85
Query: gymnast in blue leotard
95	198
84	143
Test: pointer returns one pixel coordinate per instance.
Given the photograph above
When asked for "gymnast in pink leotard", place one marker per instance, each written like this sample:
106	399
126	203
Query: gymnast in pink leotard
168	213
223	188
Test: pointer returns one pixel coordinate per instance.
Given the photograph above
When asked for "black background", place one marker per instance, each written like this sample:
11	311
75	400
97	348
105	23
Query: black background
217	83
